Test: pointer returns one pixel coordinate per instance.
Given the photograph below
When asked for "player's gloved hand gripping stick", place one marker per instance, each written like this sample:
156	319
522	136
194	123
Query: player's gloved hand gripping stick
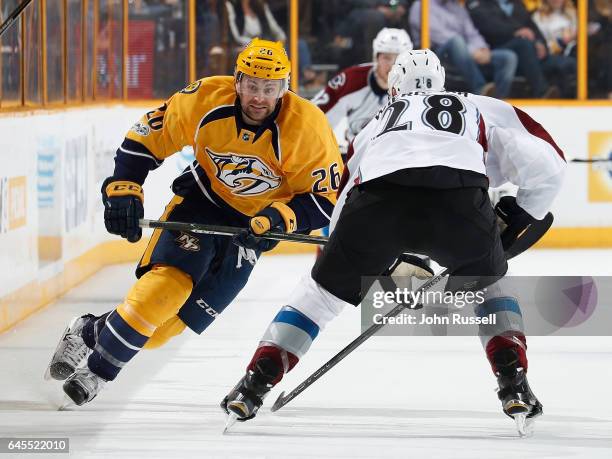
231	231
123	208
277	216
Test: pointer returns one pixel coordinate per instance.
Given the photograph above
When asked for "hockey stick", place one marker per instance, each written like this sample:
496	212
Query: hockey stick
13	16
591	160
529	237
283	399
230	231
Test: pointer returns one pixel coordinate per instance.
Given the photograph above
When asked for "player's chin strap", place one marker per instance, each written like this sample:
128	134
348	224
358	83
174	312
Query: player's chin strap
526	239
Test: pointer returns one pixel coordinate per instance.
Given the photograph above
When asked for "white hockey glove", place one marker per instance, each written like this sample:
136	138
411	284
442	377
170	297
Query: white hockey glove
408	265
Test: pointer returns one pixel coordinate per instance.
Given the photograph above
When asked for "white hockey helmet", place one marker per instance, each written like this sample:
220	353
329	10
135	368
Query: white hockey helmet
392	41
416	70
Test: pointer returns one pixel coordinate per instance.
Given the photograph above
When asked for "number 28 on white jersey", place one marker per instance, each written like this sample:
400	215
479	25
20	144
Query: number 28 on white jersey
422	130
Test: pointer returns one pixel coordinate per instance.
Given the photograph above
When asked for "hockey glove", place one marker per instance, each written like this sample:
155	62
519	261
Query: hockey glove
514	220
276	217
123	208
408	265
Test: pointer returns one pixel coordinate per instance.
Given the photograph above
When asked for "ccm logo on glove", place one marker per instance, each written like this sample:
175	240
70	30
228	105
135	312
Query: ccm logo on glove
123	207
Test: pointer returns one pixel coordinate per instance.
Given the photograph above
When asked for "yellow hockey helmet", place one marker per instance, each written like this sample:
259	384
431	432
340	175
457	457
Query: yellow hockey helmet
264	59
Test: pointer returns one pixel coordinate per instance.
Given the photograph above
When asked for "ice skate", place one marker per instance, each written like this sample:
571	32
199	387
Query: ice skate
83	386
242	403
518	401
70	351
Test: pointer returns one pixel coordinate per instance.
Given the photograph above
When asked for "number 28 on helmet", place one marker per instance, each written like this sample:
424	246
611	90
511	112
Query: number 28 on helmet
416	70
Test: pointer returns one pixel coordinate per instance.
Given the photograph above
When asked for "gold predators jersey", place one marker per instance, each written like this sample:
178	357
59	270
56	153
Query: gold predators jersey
292	155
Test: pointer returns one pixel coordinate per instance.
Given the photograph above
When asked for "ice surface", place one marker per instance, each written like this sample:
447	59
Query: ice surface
395	397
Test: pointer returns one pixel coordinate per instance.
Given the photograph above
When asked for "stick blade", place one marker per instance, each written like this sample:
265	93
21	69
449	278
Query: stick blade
279	403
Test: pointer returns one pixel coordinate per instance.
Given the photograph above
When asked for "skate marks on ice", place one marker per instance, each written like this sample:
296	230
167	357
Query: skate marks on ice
553	433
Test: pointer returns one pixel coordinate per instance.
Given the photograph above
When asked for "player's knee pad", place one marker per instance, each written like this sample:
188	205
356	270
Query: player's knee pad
155	298
169	329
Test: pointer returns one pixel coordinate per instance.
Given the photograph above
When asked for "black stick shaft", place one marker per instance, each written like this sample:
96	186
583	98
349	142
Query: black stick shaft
13	16
284	399
230	231
591	160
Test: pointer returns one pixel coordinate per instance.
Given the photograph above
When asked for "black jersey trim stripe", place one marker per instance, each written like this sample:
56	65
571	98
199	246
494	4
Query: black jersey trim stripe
133	147
217	113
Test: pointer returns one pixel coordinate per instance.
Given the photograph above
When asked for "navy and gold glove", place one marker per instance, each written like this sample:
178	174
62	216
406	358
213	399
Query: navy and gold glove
123	207
515	220
276	217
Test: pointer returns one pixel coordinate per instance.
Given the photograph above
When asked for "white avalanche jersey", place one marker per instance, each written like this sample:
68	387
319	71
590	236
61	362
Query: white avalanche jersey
461	131
354	94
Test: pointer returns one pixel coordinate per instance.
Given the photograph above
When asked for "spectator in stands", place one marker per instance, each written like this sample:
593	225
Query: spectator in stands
506	24
248	19
600	45
208	39
364	20
252	19
455	39
556	19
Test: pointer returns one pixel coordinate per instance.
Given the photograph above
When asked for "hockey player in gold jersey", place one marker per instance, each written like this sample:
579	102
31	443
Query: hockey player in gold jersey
265	159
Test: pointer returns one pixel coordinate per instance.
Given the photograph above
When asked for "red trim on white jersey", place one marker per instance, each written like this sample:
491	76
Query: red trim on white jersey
482	133
344	83
537	130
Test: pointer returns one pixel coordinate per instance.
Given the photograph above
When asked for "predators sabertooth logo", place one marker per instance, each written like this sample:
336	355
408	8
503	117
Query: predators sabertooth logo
244	175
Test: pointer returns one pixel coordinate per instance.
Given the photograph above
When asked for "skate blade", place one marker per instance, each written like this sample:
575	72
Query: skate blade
47	376
230	421
524	425
66	404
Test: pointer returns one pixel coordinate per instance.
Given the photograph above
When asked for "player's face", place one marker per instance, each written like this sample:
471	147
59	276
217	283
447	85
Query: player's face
258	97
384	62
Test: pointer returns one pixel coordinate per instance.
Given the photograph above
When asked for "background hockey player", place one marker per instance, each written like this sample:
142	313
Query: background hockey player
357	93
265	159
418	171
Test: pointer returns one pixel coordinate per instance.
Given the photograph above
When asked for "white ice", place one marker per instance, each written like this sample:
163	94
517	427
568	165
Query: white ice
412	397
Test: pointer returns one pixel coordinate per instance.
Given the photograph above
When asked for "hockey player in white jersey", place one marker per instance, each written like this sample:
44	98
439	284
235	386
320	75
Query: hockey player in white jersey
416	181
358	92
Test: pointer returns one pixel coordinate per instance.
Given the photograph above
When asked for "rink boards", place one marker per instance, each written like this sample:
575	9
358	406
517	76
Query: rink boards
52	164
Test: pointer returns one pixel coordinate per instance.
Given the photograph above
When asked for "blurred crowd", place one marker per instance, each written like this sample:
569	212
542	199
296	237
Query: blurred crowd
501	48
